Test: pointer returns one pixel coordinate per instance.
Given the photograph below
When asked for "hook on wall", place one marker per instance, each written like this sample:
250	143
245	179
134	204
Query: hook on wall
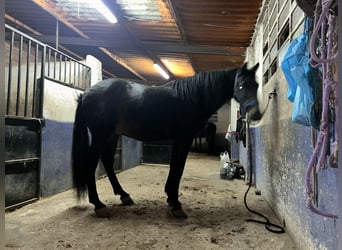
272	94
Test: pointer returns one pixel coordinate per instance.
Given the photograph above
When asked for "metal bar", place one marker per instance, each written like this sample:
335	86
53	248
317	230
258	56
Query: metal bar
10	74
16	161
57	33
40	134
60	67
70	72
54	65
41	92
34	80
84	70
78	75
19	75
86	78
65	67
27	75
17	205
49	59
74	73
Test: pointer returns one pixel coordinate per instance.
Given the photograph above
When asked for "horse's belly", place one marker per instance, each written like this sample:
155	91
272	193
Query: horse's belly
144	133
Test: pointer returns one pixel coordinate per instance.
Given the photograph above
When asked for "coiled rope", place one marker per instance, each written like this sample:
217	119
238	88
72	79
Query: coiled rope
323	19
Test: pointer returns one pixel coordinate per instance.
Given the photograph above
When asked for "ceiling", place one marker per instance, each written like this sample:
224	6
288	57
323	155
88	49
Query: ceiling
183	36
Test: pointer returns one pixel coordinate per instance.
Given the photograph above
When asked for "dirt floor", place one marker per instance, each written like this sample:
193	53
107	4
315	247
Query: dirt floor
217	216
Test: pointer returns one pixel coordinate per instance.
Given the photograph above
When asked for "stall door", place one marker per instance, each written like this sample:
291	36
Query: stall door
22	161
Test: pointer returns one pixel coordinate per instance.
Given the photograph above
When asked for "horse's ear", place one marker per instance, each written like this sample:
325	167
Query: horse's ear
244	67
256	66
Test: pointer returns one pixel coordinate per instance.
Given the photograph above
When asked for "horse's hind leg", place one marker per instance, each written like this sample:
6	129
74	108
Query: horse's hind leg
93	158
107	159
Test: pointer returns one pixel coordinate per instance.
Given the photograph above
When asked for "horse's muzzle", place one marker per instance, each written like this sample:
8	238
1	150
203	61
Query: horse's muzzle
254	113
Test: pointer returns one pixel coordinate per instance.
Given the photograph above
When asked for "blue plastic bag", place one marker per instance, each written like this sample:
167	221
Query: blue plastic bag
301	112
292	64
299	76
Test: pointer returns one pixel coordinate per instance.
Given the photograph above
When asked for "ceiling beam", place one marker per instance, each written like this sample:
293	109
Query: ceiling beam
181	30
159	47
196	49
62	18
120	61
136	42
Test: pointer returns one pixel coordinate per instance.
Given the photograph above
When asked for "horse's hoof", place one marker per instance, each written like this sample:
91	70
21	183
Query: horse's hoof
173	204
127	201
103	212
179	213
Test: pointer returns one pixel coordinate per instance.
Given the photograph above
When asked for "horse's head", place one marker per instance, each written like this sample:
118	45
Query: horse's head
245	91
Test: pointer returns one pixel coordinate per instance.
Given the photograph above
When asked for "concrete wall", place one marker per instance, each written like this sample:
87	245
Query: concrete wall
59	113
131	152
282	150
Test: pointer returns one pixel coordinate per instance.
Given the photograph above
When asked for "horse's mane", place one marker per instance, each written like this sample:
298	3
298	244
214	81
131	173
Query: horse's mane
195	88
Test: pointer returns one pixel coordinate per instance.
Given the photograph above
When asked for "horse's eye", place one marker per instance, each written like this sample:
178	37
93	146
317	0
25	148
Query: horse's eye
240	87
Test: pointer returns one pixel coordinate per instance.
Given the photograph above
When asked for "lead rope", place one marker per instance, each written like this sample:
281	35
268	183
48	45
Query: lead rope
268	224
325	60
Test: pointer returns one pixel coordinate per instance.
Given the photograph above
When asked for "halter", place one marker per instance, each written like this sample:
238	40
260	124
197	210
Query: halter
239	88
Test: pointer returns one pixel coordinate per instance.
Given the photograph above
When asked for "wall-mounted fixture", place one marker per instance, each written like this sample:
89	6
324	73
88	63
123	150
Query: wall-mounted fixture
161	71
272	94
102	8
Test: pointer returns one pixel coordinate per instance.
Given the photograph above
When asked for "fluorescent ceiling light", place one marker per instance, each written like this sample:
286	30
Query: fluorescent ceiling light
99	5
161	71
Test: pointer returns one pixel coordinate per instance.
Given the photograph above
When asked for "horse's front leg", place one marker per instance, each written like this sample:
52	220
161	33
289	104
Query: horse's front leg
180	151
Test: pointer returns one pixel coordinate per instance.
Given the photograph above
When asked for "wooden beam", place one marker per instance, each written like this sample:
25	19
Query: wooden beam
159	47
21	24
121	61
59	16
62	17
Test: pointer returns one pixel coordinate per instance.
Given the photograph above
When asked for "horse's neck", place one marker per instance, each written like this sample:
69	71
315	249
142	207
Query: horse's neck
207	91
219	89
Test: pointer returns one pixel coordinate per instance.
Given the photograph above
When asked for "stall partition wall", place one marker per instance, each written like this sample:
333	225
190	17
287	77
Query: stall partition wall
32	72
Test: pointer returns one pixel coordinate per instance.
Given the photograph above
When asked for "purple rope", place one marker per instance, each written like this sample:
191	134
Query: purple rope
319	21
325	60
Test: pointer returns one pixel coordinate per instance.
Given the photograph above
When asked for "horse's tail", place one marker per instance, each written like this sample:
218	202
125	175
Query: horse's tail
80	148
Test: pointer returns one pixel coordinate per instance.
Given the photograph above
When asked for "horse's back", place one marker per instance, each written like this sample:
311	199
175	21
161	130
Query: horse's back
129	108
143	112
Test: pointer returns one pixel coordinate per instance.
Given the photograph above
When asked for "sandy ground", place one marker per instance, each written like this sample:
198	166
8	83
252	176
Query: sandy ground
217	216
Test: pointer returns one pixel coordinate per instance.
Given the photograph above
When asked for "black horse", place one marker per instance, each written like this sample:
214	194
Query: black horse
176	110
